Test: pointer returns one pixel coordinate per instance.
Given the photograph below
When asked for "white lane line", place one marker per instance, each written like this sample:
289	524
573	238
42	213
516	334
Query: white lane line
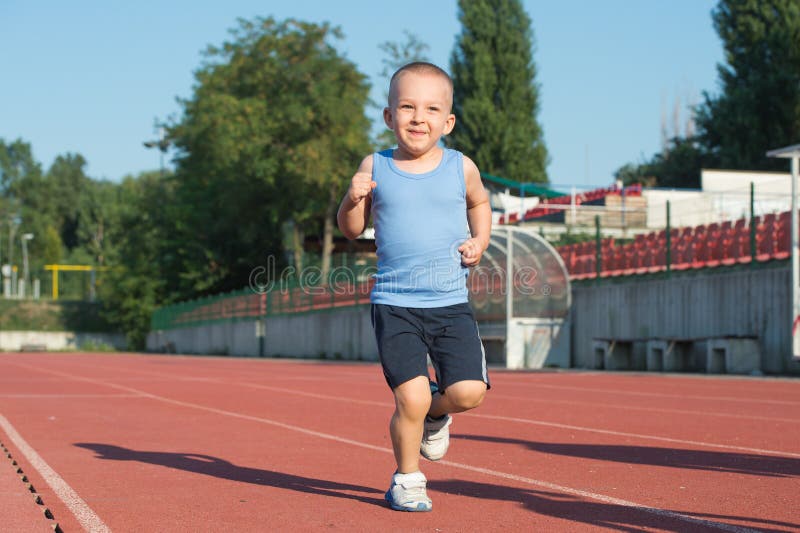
163	377
646	409
67	396
569	427
760	451
533	385
604	499
486	471
530	386
532	421
87	518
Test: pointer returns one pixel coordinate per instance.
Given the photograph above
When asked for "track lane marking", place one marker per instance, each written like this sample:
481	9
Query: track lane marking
79	508
67	396
556	425
502	376
540	423
168	377
649	409
664	513
661	395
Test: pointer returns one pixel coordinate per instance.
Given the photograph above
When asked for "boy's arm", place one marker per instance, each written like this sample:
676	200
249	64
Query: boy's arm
479	216
354	210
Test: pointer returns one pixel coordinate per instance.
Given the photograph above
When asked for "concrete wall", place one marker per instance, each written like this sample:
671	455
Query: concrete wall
338	334
342	334
690	304
708	303
224	338
687	208
731	191
57	340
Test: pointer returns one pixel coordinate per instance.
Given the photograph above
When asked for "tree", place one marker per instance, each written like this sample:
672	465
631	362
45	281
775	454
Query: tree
67	185
496	98
397	55
759	106
140	277
274	130
677	166
25	201
16	163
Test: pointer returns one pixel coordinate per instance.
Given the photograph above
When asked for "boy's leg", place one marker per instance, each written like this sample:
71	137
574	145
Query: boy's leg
457	398
403	355
460	362
407	490
412	403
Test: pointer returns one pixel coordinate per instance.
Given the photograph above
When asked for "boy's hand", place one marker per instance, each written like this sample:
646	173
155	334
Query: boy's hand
471	252
360	186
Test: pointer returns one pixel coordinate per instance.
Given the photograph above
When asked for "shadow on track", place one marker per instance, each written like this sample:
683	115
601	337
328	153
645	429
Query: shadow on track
220	468
728	462
598	514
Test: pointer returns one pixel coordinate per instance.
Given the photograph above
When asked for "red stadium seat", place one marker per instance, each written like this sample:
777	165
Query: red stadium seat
783	242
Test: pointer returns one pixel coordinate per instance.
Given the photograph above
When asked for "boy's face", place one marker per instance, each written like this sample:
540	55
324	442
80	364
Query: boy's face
419	111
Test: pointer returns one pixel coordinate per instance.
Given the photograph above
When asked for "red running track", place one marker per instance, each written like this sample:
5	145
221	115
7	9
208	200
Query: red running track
129	442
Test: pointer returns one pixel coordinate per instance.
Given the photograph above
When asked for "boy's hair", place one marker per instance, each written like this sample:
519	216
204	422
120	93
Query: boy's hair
420	67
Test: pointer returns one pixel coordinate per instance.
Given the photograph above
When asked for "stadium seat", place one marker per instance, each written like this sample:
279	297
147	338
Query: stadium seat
659	259
783	243
681	257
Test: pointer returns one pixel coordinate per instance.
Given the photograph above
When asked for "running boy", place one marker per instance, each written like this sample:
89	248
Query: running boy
422	198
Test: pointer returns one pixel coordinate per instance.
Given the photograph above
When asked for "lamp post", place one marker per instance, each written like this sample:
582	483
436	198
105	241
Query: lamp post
13	224
24	238
162	144
793	153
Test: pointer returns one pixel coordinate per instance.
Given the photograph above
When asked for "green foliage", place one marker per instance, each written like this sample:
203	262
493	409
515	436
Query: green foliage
52	247
140	278
273	132
92	345
16	163
759	107
496	99
27	315
67	186
572	238
678	166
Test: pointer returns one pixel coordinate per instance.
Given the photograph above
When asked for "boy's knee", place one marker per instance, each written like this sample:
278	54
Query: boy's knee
413	400
466	395
413	405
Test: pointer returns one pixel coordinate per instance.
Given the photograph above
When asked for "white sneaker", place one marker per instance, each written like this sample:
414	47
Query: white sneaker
407	493
435	437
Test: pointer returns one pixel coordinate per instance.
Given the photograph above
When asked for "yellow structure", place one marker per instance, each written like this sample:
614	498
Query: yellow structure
68	268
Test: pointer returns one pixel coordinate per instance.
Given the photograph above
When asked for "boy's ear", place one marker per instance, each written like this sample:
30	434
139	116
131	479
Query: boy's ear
387	118
449	124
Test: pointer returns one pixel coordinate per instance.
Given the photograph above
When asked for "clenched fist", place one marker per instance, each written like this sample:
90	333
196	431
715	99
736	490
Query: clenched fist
360	186
471	252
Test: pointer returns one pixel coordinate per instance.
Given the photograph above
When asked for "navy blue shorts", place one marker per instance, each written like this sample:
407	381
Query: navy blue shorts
406	336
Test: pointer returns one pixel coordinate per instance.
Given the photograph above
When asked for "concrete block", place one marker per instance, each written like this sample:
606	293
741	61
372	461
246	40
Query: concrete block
733	356
612	355
669	356
599	349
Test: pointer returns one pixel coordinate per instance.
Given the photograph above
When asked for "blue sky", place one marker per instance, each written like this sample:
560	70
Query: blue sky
93	76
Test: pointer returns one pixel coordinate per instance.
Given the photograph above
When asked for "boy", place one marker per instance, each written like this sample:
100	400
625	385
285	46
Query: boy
422	198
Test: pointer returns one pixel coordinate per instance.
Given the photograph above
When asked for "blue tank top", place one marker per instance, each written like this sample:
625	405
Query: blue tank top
420	221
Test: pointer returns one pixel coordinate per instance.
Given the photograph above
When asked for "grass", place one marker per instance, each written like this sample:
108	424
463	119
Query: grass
47	315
